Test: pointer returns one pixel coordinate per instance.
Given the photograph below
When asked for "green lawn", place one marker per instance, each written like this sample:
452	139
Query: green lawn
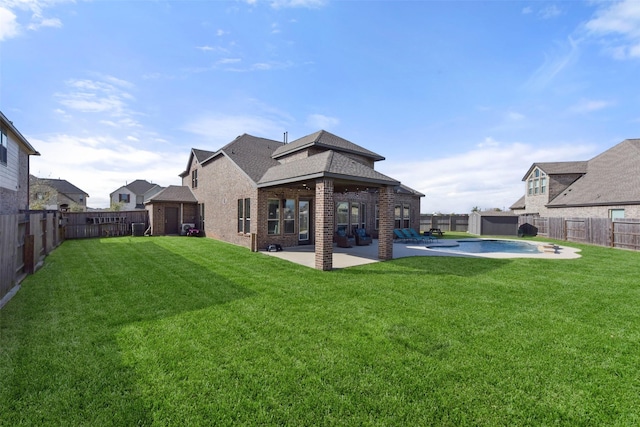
184	331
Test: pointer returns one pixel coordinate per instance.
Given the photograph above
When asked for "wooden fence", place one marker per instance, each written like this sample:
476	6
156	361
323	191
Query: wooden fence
444	222
621	233
81	225
25	240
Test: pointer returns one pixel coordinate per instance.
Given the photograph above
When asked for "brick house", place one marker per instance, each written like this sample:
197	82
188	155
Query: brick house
256	191
14	168
607	186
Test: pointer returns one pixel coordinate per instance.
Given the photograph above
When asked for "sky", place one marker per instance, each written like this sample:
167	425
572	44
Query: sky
460	97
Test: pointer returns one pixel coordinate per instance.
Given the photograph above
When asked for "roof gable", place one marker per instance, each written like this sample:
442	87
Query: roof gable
8	124
558	168
328	141
326	164
613	177
251	154
140	186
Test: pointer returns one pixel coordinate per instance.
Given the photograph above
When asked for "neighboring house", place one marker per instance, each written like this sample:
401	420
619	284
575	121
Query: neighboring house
255	191
132	196
56	194
607	186
14	168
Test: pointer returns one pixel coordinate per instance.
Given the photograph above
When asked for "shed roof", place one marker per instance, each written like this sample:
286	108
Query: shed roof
174	193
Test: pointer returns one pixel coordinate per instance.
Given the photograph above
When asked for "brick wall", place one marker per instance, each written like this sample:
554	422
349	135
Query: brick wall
385	243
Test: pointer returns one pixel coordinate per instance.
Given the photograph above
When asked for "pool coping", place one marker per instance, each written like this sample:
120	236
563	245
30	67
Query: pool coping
360	255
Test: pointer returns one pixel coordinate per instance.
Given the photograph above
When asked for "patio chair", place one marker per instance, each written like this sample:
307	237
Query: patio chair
414	237
362	238
342	240
427	237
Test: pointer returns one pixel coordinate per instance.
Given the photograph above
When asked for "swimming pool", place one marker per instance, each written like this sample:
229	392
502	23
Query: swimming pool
483	246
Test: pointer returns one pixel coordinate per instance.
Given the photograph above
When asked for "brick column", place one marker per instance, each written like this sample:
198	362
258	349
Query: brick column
324	224
386	200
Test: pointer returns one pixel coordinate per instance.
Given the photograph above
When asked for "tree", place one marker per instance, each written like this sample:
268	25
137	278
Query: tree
40	194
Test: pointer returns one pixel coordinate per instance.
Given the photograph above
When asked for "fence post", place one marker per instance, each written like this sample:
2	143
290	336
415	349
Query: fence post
28	255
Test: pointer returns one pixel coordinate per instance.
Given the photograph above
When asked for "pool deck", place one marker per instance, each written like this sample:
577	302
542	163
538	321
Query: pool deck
359	255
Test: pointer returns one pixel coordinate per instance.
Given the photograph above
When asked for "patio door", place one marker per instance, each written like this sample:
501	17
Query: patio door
304	222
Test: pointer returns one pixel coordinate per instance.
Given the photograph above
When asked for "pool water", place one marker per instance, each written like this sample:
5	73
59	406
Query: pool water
487	246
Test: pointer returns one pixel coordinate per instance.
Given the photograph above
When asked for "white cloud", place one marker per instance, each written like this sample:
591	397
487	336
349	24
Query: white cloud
590	105
618	24
549	12
320	121
9	21
91	96
312	4
514	116
220	129
101	164
555	63
45	22
527	10
8	24
489	176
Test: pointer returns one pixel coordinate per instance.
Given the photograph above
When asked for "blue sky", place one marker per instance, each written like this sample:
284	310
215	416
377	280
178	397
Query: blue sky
460	97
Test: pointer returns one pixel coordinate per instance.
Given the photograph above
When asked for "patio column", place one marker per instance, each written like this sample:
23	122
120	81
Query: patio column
324	224
386	200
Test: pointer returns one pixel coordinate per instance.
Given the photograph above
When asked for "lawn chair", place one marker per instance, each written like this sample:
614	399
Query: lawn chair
400	236
414	235
342	240
427	237
362	238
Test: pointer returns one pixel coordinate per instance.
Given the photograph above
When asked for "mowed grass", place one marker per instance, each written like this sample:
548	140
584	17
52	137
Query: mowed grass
182	331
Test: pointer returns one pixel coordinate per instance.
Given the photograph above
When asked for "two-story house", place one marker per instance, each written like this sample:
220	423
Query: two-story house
607	186
256	191
56	194
132	196
14	168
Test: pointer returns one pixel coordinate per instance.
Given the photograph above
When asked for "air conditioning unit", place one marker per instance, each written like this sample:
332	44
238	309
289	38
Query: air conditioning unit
185	227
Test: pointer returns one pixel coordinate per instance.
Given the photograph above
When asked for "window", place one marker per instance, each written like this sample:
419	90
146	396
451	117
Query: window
363	215
342	216
273	218
397	215
124	198
194	178
201	214
4	150
406	217
355	215
537	183
616	214
289	216
377	217
244	215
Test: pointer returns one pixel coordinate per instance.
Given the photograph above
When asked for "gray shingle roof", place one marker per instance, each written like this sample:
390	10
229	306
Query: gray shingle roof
519	204
174	193
326	164
202	155
140	186
326	140
5	122
613	177
252	154
60	185
557	168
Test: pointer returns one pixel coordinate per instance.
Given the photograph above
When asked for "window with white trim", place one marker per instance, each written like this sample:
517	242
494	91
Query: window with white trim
4	147
273	216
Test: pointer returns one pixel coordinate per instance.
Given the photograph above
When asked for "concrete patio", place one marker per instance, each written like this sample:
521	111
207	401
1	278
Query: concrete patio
359	255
